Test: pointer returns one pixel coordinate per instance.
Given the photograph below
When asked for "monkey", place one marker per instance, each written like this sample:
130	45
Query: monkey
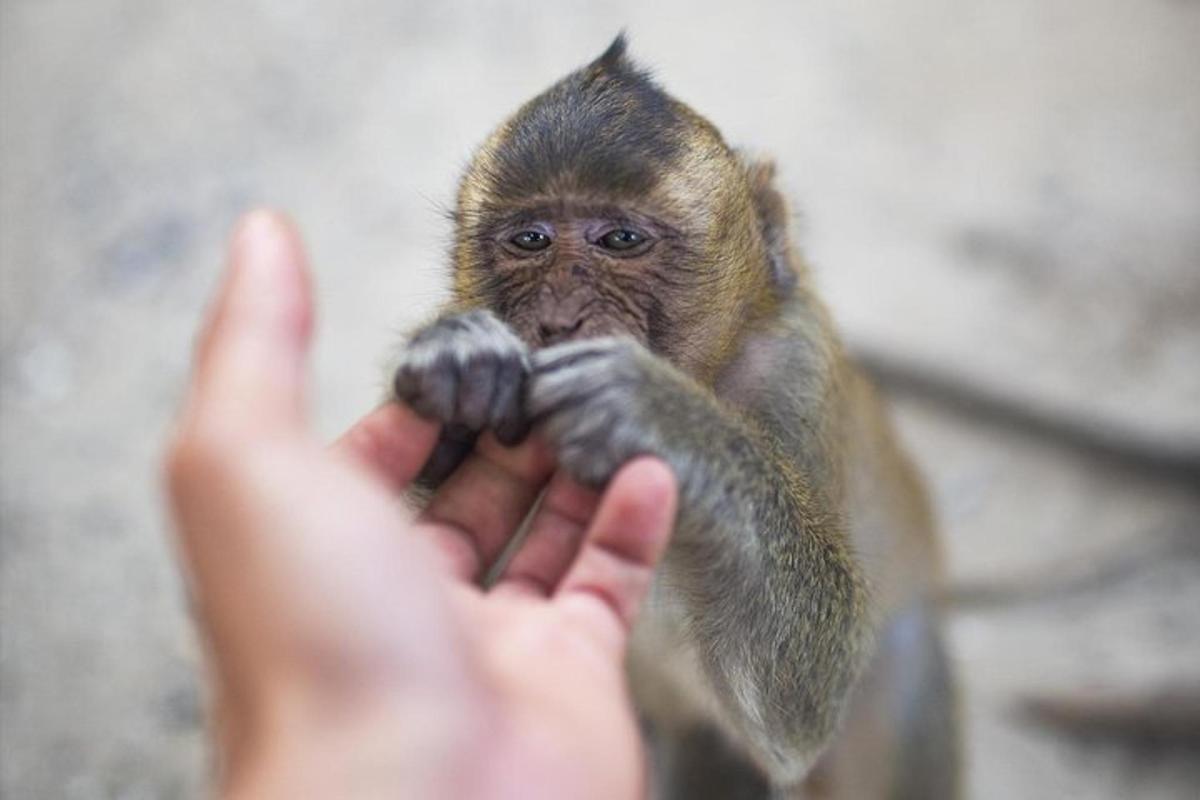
624	283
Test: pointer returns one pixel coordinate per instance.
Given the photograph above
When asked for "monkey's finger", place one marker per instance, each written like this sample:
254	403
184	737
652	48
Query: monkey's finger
552	542
605	587
392	442
454	444
438	388
569	354
476	389
250	361
481	505
508	420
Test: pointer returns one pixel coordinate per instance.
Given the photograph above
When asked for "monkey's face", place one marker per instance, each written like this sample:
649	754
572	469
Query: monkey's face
605	206
575	270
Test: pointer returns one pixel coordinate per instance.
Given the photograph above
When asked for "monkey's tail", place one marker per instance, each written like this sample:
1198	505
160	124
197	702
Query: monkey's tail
1167	716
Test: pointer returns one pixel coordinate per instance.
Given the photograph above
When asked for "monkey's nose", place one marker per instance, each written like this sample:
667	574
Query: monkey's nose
555	332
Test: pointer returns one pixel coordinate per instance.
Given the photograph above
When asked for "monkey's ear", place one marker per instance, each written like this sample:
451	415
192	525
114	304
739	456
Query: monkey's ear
772	212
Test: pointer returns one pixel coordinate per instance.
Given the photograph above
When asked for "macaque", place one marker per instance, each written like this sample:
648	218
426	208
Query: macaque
624	283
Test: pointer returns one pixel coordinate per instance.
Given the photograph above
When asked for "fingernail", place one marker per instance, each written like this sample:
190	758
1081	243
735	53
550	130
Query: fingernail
268	270
259	241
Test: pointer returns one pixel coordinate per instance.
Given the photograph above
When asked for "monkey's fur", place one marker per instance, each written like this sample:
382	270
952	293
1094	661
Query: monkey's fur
795	609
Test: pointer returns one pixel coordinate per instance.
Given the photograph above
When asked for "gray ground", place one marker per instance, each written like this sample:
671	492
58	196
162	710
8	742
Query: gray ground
1001	200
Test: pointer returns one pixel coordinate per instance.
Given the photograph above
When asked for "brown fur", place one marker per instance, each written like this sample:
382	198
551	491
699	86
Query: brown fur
795	610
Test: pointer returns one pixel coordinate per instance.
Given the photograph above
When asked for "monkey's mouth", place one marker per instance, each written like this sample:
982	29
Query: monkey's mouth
539	334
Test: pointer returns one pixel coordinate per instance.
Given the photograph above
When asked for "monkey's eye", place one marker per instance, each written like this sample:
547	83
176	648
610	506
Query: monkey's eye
621	239
531	240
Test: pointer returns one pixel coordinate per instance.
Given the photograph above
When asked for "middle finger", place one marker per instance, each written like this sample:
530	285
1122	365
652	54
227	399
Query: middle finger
481	505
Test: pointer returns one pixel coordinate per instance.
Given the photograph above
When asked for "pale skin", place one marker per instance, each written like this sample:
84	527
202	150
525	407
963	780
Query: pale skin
352	652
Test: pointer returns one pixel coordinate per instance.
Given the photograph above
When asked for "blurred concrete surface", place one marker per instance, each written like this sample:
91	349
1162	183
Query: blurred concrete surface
1001	202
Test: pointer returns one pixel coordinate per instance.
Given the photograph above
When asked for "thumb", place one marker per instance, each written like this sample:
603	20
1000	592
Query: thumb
250	365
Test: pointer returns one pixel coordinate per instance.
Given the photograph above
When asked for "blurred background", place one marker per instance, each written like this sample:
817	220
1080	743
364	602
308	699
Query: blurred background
1001	202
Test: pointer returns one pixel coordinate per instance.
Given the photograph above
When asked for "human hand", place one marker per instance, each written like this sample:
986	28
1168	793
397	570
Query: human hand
353	653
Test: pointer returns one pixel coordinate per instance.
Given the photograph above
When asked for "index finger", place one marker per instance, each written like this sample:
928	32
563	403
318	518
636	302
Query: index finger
478	508
392	443
475	513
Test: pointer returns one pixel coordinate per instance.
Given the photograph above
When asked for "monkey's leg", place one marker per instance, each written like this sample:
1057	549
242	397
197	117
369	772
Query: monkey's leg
769	590
899	738
698	764
929	725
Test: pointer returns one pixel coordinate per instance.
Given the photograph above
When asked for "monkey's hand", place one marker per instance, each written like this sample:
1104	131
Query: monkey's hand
601	402
468	371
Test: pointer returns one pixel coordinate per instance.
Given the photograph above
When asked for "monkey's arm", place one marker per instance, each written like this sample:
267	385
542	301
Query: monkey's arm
772	593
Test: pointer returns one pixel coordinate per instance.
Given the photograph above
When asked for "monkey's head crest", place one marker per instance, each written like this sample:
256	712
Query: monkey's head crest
606	129
613	60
